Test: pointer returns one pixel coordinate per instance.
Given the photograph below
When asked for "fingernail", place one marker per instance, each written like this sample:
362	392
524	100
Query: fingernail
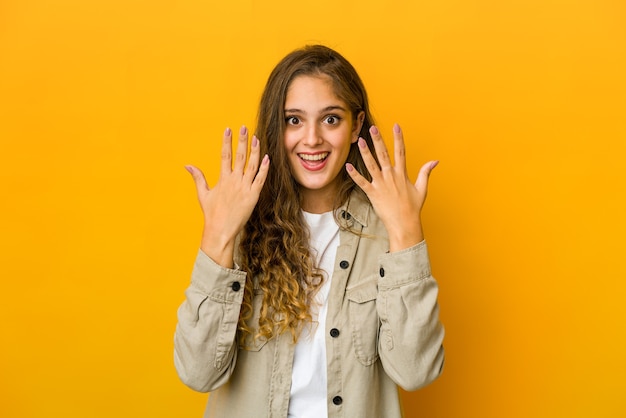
396	128
255	141
349	167
362	143
243	130
227	132
374	130
434	164
266	160
188	168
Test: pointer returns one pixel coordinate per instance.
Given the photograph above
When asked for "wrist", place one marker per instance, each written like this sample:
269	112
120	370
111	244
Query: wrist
219	248
405	236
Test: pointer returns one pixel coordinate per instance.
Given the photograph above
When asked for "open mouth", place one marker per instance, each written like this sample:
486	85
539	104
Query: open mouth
314	157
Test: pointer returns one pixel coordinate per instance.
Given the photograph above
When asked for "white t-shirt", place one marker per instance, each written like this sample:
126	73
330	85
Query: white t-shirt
308	377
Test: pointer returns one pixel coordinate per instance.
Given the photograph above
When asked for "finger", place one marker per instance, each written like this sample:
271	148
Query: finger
358	178
253	161
399	151
227	150
421	183
198	179
259	180
368	158
242	150
381	148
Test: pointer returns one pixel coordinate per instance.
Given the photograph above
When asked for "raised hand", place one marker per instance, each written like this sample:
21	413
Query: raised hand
395	199
228	205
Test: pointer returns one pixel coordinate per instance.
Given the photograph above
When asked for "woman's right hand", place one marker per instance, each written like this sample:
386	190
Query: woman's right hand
228	205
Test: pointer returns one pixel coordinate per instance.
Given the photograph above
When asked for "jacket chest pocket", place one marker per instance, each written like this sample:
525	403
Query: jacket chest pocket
364	321
250	343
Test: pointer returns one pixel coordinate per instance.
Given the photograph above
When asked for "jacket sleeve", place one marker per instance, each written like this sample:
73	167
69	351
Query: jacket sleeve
411	335
205	346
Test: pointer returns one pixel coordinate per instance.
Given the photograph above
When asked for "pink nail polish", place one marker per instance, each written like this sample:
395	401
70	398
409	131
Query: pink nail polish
374	130
243	130
227	132
396	128
255	141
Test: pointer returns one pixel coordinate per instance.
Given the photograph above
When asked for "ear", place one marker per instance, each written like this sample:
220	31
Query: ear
358	124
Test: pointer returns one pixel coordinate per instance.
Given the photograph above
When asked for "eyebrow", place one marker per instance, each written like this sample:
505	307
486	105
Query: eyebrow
324	110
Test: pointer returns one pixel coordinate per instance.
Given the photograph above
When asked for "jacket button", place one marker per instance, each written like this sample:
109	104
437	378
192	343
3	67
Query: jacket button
382	272
344	264
235	286
334	333
337	400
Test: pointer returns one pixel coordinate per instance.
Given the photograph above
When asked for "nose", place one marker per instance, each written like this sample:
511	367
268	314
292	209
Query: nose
312	136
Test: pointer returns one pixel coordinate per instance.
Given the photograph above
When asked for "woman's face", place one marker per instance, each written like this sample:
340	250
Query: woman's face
319	129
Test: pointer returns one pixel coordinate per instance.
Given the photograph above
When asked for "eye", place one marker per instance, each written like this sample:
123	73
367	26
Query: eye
332	119
292	120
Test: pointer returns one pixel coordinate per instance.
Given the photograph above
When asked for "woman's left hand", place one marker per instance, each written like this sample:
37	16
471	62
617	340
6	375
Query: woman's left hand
395	199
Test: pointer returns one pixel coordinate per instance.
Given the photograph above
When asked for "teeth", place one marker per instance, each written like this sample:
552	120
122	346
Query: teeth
314	157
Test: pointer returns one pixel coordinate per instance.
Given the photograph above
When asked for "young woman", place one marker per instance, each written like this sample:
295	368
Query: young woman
311	295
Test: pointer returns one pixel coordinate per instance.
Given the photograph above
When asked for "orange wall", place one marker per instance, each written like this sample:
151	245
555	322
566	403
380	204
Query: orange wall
102	103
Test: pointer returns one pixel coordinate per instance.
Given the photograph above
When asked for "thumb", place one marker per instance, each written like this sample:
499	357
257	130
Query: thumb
198	178
422	178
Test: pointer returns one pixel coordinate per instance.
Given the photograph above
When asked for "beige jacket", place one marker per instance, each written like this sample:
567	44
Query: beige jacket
382	330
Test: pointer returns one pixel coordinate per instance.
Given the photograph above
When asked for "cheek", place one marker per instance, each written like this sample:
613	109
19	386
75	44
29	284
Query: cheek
288	142
343	139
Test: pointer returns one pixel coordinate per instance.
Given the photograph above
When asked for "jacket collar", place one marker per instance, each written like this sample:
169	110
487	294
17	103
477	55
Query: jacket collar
357	208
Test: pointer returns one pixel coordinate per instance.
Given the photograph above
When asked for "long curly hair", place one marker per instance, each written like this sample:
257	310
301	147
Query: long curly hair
274	246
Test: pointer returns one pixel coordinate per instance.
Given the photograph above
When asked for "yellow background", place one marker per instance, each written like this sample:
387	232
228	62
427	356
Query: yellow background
102	103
